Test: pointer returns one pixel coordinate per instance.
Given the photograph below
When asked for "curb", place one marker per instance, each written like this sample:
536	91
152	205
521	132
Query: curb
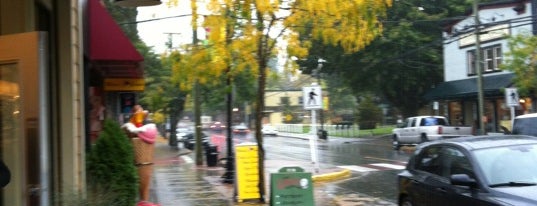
331	176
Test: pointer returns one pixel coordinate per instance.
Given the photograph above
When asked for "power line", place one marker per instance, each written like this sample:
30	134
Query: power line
155	19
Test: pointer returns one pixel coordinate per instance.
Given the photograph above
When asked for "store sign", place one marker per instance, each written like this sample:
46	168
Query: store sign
490	33
124	84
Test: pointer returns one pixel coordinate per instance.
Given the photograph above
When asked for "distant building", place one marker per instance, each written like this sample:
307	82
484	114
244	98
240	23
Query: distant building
457	95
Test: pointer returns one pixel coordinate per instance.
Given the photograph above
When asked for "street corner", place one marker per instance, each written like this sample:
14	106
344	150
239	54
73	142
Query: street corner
330	176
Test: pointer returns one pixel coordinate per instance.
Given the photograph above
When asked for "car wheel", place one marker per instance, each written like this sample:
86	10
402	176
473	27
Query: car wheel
424	138
406	202
395	143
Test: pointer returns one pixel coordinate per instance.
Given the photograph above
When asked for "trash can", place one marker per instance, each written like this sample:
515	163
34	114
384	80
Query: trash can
211	152
322	134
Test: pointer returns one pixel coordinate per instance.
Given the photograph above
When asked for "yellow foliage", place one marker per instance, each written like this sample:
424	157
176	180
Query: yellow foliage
351	24
158	117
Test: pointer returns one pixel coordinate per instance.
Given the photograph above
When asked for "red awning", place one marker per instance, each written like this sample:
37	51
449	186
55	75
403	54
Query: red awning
109	49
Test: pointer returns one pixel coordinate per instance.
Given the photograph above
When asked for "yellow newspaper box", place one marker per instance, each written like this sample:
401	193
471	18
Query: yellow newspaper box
247	171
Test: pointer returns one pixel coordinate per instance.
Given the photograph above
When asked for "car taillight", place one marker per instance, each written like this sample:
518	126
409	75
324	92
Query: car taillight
439	130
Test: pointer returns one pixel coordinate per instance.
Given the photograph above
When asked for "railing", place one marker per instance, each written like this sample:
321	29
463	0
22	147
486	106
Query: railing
333	130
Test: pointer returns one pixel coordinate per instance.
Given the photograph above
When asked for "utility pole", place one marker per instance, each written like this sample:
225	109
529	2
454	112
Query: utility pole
477	62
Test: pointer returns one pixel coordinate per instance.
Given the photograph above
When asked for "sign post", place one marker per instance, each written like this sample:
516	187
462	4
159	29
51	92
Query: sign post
511	100
312	100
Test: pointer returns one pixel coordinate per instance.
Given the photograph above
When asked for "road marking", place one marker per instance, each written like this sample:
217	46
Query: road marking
393	166
357	168
374	167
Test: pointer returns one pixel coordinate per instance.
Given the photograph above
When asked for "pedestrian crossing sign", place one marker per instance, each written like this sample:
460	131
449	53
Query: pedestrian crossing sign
312	97
511	97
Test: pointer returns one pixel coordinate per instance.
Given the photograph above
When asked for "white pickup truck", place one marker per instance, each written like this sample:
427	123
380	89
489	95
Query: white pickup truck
415	130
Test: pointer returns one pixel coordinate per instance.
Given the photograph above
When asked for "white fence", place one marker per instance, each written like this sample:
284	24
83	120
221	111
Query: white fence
332	130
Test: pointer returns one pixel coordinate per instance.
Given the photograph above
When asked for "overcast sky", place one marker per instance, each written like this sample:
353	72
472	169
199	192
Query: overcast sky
154	33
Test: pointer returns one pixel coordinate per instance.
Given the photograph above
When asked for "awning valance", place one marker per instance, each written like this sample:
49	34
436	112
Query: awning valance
109	49
467	88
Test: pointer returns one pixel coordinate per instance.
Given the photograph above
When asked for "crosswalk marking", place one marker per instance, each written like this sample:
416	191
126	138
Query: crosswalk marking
357	168
393	166
374	167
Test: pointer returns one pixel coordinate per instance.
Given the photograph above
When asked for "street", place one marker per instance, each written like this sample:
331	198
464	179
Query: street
373	162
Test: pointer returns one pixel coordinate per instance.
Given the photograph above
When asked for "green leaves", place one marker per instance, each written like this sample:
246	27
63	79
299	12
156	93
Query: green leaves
522	60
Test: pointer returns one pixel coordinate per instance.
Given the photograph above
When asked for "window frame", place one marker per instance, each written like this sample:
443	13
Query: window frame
491	58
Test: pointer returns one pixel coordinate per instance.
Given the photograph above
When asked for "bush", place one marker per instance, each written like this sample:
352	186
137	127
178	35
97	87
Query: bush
110	166
369	114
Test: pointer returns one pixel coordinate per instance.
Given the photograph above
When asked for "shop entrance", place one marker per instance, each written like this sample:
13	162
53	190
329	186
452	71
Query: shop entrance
23	103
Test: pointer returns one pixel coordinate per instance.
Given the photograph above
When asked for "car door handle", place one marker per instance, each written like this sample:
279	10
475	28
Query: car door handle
415	182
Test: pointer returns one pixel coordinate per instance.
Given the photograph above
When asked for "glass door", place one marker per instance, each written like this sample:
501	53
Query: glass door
23	136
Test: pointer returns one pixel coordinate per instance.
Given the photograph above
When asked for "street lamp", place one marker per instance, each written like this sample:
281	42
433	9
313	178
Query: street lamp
320	62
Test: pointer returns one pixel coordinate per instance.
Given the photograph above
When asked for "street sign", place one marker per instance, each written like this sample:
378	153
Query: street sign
312	97
291	186
511	97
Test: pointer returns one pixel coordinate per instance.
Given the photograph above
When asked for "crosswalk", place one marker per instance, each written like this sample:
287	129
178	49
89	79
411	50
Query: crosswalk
375	167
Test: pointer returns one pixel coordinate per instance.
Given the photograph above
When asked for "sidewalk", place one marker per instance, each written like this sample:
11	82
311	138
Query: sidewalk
178	181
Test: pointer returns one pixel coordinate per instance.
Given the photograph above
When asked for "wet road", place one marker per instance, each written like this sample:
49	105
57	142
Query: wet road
374	164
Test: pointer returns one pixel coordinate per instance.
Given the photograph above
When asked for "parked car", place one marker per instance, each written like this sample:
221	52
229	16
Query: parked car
189	140
269	130
241	129
525	124
415	130
477	170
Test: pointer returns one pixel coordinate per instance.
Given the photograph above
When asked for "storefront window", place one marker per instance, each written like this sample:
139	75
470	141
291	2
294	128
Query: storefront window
10	124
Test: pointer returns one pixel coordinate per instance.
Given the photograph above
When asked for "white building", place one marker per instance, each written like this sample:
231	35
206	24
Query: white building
457	95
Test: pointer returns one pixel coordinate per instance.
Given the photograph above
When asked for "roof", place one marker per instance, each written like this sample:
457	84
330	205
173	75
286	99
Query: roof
486	141
467	88
532	115
488	5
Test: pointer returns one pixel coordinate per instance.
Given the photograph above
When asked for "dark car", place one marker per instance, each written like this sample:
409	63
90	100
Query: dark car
241	129
189	140
478	170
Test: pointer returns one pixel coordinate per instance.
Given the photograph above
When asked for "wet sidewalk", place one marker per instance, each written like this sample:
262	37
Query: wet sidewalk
178	181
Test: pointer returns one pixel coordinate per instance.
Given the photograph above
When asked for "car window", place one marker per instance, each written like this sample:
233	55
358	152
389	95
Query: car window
455	162
508	164
433	121
429	160
413	122
444	161
525	126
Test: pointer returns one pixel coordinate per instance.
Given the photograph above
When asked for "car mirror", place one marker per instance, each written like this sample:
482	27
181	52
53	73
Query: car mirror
463	180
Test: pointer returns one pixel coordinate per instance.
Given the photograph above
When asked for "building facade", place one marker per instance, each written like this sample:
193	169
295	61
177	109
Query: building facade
457	95
54	56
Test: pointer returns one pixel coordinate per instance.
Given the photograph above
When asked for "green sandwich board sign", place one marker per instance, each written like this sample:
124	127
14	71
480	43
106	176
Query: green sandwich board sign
291	186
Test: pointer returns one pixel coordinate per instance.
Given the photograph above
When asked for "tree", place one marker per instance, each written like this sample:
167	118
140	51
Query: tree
249	41
244	35
402	63
521	59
